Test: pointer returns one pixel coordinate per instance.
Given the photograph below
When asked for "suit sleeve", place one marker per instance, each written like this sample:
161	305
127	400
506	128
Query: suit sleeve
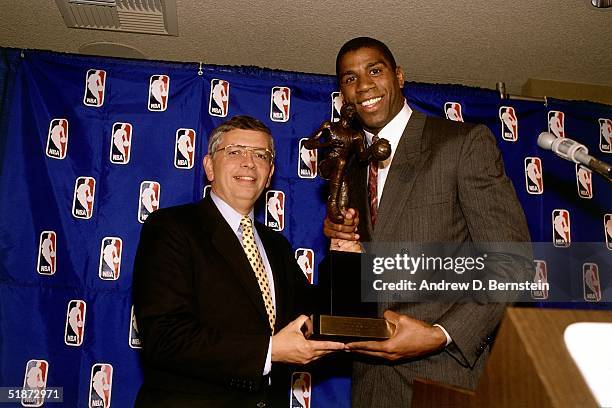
493	215
174	338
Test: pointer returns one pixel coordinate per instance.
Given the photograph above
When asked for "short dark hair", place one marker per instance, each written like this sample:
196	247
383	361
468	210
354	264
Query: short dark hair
237	122
364	42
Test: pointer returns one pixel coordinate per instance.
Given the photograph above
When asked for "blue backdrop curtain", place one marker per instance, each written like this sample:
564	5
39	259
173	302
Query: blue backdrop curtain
61	305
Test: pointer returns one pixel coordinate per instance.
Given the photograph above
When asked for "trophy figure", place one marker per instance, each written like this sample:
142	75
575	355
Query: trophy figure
345	142
341	314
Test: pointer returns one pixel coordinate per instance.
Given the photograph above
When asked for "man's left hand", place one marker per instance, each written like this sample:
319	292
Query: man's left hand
411	338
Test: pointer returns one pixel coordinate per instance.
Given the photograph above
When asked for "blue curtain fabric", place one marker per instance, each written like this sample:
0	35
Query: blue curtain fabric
91	145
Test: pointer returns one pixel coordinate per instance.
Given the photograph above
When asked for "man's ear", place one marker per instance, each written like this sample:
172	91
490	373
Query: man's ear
399	74
270	175
208	168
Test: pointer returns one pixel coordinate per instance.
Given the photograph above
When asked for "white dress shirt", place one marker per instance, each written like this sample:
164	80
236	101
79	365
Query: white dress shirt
233	217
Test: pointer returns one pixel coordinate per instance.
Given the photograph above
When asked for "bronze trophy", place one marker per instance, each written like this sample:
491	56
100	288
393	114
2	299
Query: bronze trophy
341	314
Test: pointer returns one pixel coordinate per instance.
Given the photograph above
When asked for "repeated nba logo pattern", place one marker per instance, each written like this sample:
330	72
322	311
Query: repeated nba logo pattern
47	253
306	261
219	98
605	135
184	148
534	181
280	104
336	105
275	210
95	85
135	341
541	276
556	123
110	258
121	143
83	200
453	111
301	390
57	139
584	182
148	199
591	282
75	323
509	123
307	161
35	380
561	228
159	92
100	385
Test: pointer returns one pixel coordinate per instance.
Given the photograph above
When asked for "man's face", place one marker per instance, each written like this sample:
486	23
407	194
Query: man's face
368	81
239	180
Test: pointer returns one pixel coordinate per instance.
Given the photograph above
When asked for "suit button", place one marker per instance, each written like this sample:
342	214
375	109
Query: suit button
261	404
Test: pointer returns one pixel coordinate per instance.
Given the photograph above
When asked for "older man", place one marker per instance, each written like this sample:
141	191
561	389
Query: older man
218	295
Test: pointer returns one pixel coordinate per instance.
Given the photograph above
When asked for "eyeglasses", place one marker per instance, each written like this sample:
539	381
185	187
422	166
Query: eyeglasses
259	154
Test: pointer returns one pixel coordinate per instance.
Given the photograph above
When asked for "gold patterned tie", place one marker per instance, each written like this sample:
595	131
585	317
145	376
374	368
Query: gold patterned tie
252	253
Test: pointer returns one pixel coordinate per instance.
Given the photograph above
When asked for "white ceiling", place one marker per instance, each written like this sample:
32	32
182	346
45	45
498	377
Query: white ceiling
471	42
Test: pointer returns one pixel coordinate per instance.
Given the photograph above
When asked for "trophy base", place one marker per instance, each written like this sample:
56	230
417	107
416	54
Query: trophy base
349	329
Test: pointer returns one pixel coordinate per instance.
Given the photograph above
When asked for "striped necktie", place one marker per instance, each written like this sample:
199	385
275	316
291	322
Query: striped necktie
252	253
373	187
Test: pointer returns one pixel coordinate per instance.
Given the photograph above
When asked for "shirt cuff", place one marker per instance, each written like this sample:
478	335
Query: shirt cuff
268	365
448	337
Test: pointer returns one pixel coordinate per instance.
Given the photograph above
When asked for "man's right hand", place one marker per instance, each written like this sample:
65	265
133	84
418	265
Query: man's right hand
290	346
346	231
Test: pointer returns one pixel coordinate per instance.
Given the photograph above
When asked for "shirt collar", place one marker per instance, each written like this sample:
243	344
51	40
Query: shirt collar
230	215
393	130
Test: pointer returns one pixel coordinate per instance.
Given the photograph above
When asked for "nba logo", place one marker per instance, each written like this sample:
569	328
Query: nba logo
219	98
100	385
47	249
121	143
509	123
83	200
307	161
590	280
95	81
452	110
148	200
35	383
336	105
184	147
608	230
561	228
534	183
57	139
301	388
305	259
584	181
75	323
110	258
275	210
280	102
134	339
556	123
159	88
541	276
206	190
605	135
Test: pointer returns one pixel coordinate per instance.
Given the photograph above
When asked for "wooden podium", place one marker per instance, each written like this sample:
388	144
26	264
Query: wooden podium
529	366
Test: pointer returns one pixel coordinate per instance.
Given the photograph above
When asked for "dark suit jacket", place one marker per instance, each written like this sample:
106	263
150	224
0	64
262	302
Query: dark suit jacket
446	183
200	311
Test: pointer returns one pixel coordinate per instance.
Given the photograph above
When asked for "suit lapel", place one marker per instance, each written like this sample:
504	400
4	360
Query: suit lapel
228	246
409	158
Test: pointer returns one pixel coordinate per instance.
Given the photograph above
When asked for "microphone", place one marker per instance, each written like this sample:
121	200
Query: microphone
573	151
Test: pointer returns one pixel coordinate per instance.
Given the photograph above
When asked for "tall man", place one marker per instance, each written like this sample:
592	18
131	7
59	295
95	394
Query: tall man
217	299
444	182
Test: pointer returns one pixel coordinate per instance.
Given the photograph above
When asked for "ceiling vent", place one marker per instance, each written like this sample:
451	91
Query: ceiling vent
135	16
